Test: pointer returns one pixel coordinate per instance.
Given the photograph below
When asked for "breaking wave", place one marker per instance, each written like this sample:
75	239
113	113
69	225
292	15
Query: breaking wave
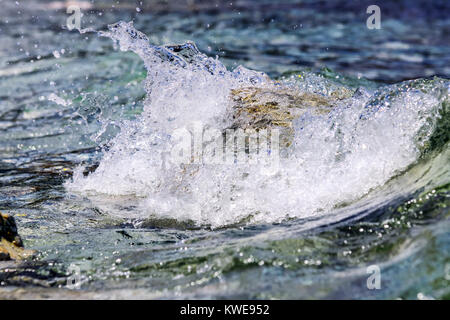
343	142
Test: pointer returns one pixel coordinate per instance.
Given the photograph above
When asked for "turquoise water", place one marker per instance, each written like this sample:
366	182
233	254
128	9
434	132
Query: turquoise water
73	102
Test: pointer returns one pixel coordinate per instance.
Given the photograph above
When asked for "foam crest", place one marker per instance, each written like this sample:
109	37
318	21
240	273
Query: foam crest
335	158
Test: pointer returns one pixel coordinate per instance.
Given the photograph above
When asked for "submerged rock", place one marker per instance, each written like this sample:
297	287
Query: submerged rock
261	107
11	245
278	106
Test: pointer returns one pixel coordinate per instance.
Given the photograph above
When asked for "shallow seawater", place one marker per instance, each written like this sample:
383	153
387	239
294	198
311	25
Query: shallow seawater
83	125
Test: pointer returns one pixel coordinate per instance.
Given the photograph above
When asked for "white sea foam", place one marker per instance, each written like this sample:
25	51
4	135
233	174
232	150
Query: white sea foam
335	159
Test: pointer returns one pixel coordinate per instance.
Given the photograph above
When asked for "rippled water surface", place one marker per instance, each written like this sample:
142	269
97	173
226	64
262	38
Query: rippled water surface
82	124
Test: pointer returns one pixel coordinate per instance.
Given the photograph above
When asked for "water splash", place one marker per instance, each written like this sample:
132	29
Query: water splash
335	159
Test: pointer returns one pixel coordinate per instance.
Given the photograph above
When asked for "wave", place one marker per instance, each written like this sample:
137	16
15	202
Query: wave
321	145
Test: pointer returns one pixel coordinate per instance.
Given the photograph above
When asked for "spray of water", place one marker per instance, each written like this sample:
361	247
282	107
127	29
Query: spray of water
335	158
